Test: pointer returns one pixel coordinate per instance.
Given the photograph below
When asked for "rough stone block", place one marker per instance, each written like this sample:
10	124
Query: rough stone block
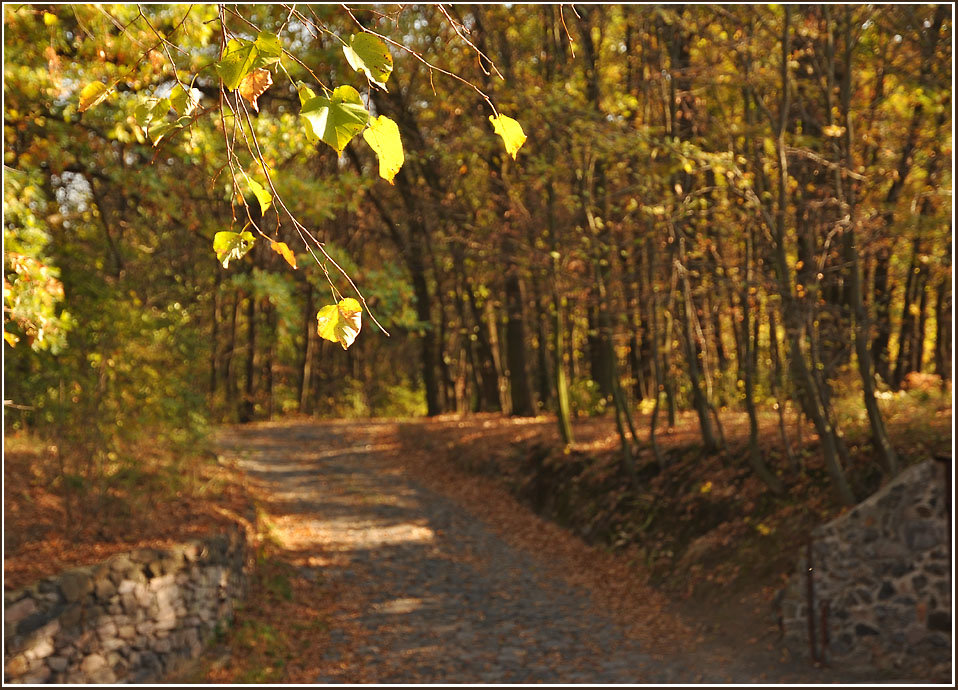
17	666
939	620
41	674
57	664
104	589
15	613
93	663
75	584
158	583
112	644
40	649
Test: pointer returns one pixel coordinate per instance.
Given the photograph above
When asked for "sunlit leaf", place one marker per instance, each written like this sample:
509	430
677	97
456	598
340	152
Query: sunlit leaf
232	245
340	323
254	85
11	339
305	93
262	194
242	57
158	131
182	100
383	136
510	131
337	119
92	94
284	251
369	55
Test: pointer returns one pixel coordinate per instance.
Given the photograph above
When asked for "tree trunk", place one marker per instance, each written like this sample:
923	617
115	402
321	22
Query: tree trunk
248	405
306	365
214	339
943	341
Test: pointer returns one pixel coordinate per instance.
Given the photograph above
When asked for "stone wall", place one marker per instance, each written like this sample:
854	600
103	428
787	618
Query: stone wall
879	581
136	617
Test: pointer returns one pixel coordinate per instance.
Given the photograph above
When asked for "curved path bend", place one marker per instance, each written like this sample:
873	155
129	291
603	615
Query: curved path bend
443	598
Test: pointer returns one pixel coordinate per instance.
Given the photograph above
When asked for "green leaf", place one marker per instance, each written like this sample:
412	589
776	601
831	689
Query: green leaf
340	323
510	131
232	245
242	57
262	195
337	119
143	112
368	54
92	94
160	130
182	101
305	93
383	136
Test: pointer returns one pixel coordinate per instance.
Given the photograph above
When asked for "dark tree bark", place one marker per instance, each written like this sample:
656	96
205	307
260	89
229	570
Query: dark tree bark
248	404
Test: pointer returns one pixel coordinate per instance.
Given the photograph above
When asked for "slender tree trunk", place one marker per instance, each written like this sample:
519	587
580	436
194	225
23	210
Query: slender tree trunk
907	331
230	365
776	387
306	366
747	366
653	338
214	339
710	441
271	322
943	321
519	389
544	377
248	404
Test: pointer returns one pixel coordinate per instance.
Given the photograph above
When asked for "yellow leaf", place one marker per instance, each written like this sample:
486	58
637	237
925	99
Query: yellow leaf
11	339
510	131
92	94
284	251
340	323
254	85
383	136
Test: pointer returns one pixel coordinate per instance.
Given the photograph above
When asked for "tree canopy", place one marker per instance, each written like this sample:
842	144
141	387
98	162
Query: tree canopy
575	209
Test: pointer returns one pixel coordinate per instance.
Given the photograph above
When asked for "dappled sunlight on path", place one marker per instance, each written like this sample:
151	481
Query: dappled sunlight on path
454	583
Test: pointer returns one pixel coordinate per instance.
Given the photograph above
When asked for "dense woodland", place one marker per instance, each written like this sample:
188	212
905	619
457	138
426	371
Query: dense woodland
716	208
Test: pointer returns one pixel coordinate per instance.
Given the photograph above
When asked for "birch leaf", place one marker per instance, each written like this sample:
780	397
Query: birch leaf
340	323
337	119
262	194
284	251
254	85
369	54
510	131
232	245
383	136
92	94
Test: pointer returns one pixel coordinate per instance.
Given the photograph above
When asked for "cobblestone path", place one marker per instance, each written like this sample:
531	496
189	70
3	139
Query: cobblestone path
445	600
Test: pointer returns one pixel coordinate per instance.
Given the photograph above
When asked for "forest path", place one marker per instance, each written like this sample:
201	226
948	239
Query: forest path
429	593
